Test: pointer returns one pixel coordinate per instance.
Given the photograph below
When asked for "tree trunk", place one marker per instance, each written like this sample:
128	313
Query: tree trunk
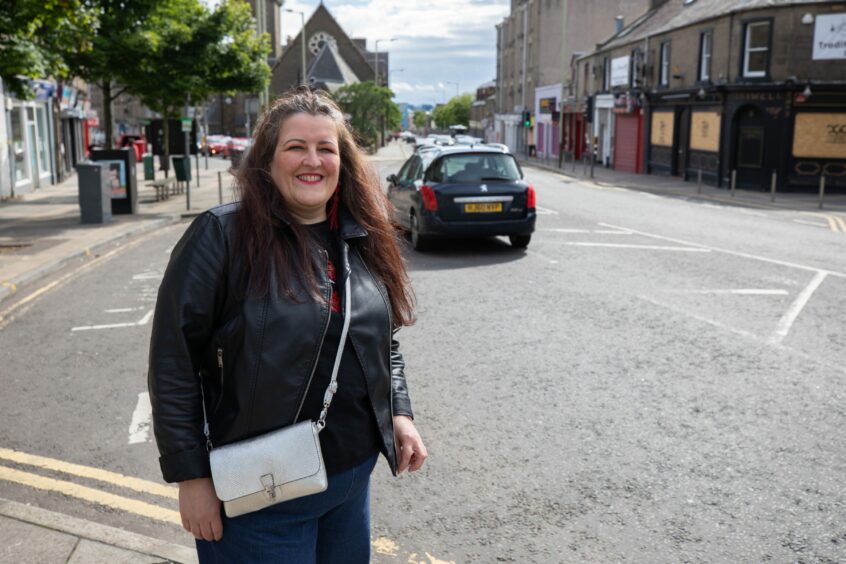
107	112
166	142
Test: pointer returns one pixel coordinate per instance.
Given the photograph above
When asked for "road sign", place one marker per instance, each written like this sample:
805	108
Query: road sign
186	124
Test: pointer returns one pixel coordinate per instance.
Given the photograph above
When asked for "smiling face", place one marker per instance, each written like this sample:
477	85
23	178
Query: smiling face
306	165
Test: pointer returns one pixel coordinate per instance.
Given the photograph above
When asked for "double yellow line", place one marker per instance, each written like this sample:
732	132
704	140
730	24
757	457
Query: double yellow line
92	495
835	222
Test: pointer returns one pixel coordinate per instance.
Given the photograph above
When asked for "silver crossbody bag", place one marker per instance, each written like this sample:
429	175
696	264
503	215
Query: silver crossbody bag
280	465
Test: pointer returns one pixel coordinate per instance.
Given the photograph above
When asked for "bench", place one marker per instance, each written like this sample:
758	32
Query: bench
164	187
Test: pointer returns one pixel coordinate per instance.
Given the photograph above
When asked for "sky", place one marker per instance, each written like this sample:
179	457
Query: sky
439	43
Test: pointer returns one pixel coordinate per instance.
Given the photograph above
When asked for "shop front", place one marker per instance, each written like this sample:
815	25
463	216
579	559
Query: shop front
754	138
818	146
628	134
603	128
572	132
31	143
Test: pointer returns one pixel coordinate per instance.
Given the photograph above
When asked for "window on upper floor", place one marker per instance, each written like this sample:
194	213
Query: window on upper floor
664	65
706	41
756	49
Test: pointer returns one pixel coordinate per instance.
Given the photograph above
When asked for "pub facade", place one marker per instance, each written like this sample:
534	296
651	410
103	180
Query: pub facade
758	92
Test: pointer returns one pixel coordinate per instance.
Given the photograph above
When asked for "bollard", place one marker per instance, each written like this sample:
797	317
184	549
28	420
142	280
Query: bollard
699	182
219	188
592	161
822	189
198	169
773	186
573	161
584	164
733	182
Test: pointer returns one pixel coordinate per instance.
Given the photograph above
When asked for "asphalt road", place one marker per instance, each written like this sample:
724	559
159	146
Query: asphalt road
653	380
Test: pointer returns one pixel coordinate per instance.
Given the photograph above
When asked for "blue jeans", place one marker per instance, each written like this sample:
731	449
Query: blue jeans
329	527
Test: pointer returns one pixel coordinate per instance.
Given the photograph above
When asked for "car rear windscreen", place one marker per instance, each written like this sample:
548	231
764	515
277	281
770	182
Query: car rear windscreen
478	167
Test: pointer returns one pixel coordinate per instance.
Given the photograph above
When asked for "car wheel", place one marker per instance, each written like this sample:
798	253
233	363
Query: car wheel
519	241
418	242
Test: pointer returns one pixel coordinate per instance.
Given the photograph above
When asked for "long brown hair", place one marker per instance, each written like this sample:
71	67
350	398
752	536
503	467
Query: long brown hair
267	233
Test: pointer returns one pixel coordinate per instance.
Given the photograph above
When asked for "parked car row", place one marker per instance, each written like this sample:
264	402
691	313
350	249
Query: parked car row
225	145
472	190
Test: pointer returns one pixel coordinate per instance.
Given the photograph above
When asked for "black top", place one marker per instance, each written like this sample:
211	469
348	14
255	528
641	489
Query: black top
351	435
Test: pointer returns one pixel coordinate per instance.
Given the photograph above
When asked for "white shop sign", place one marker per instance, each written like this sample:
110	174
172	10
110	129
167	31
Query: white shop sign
830	37
620	71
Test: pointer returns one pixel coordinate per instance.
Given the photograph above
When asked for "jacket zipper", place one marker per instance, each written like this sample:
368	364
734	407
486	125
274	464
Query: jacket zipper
319	348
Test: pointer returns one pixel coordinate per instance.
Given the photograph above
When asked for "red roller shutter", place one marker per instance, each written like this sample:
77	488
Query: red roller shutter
627	151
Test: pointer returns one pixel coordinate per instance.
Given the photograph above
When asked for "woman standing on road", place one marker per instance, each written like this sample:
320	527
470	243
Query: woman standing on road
247	327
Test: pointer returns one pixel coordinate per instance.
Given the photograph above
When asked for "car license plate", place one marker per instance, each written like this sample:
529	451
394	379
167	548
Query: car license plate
483	208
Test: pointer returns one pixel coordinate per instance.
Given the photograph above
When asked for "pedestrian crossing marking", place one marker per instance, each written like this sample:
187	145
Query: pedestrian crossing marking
137	484
90	494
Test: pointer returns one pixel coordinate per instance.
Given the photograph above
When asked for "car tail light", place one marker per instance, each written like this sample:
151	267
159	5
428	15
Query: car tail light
531	199
430	202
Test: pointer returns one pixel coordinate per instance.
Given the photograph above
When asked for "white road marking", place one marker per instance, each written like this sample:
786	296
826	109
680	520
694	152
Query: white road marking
542	257
147	276
789	317
642	247
146	319
730	252
168	250
545	211
139	427
814	223
122	309
700	318
598	231
741	292
749	212
143	321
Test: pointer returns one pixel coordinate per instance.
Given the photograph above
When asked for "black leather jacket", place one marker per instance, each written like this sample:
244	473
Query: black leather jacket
250	362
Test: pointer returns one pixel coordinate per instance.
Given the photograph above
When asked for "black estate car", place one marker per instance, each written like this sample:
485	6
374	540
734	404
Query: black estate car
463	192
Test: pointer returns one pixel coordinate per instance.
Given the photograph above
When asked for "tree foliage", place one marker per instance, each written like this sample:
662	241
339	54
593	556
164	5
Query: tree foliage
34	35
454	112
421	119
191	52
367	106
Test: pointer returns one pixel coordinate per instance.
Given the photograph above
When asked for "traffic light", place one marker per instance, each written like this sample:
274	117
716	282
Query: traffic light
527	119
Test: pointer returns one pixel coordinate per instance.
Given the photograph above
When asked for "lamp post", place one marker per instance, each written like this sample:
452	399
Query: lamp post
303	43
377	55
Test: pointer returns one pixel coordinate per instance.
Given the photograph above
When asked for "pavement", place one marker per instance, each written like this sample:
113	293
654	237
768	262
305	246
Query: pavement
674	186
41	233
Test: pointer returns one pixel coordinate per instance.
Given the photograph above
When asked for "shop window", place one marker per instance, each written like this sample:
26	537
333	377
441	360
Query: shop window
664	77
43	140
705	47
756	49
750	147
19	147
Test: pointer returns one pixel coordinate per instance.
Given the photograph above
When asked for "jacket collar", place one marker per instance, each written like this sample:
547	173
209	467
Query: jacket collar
349	227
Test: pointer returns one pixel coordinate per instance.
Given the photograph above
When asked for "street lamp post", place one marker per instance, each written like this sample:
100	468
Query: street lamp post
377	56
303	43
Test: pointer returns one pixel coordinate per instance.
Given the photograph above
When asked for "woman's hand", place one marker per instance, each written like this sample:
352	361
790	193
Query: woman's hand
200	509
411	452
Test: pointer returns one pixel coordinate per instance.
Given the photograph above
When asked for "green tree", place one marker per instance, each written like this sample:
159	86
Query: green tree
115	44
368	106
192	52
421	119
33	34
454	112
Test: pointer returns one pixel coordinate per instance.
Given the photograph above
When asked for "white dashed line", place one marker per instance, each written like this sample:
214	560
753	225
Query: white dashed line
640	247
789	317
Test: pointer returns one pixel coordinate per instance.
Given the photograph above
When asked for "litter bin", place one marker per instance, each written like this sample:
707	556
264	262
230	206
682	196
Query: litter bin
95	193
149	168
140	146
182	168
